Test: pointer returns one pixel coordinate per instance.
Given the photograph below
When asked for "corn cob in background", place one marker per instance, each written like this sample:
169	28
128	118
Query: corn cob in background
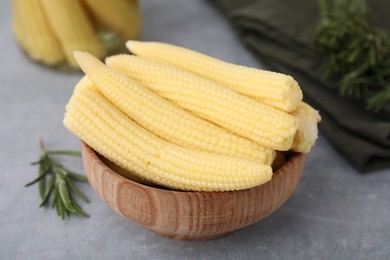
241	115
122	16
73	29
275	89
34	33
17	25
164	118
107	130
50	30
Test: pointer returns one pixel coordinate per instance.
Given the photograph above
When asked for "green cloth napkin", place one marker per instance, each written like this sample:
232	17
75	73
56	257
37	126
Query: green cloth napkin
278	33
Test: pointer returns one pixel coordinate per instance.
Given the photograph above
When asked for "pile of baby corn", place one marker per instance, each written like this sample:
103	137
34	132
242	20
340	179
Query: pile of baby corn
188	121
50	30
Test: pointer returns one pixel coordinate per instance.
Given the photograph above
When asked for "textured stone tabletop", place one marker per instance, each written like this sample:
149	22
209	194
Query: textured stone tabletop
335	213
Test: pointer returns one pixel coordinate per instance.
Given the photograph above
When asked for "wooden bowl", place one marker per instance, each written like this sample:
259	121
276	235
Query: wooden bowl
189	215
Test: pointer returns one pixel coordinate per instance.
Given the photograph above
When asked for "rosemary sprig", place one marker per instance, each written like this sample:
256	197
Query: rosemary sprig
59	186
355	50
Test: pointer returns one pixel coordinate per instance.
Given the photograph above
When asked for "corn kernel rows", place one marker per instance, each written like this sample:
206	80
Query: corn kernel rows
34	33
165	164
164	118
72	28
244	116
271	88
100	109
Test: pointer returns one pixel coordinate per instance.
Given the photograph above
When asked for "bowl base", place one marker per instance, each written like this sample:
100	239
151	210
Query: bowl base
192	237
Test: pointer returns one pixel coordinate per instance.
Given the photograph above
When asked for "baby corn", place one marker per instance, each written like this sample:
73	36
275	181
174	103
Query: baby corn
164	118
35	32
122	16
17	24
72	28
307	133
110	132
275	89
243	116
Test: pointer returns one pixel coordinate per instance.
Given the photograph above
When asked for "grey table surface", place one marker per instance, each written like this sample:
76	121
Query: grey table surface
335	213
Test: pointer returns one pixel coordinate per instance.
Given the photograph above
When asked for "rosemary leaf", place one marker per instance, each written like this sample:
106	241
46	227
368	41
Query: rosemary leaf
80	212
355	50
42	182
64	195
60	185
36	162
77	191
60	208
77	177
48	191
55	192
35	180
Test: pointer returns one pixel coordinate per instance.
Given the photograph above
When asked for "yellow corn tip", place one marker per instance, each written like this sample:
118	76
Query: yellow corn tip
163	117
275	89
73	28
110	132
18	33
241	115
35	34
17	25
122	16
17	22
307	133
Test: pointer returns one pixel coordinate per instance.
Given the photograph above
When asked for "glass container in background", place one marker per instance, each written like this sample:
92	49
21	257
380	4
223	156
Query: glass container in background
50	30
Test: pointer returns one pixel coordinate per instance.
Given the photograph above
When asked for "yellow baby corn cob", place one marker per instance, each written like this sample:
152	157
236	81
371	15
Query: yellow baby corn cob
72	27
163	117
122	16
17	25
307	133
38	38
275	89
244	116
17	29
110	132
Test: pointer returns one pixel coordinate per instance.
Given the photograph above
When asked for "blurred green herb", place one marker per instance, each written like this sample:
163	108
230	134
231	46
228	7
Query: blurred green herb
355	50
60	186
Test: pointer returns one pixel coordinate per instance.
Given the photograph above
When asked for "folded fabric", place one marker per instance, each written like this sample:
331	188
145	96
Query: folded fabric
278	32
